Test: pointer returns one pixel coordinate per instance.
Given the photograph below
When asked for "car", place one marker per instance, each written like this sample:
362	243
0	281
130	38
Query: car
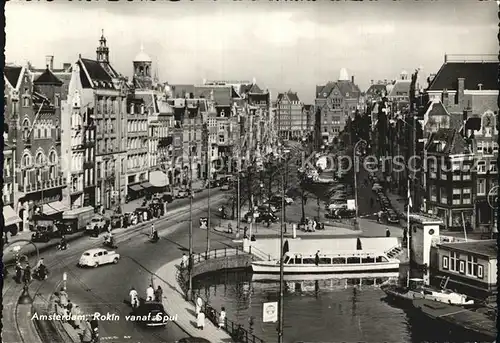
98	221
45	233
335	205
225	187
266	207
98	256
276	200
392	217
265	217
151	313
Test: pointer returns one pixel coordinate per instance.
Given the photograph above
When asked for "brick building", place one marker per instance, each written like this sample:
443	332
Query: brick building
291	122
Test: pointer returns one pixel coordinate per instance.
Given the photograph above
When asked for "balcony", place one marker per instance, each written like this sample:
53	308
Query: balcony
38	186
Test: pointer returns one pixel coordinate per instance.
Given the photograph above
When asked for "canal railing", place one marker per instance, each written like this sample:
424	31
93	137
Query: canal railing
237	332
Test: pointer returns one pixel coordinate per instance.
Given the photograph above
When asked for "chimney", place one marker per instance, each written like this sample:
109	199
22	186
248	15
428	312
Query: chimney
371	82
460	92
49	62
445	97
352	78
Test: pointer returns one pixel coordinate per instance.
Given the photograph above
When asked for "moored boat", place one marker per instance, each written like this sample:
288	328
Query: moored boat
337	263
417	290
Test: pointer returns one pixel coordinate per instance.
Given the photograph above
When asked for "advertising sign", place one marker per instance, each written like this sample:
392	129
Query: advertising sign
351	204
270	312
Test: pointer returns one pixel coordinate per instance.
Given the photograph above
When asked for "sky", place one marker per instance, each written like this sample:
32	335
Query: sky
283	45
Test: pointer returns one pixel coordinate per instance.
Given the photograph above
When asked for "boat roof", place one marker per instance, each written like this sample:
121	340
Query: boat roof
341	245
94	250
416	279
344	253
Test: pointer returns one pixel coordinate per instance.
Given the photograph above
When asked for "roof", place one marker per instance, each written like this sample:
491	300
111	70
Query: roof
291	96
348	88
250	88
48	78
12	74
94	250
308	107
258	97
377	89
401	86
222	95
180	91
324	91
448	142
487	248
142	56
473	123
474	73
98	75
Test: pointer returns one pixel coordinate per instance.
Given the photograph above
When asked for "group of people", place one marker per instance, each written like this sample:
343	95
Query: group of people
200	315
151	295
88	328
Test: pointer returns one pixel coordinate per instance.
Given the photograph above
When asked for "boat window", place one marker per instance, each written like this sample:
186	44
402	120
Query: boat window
298	260
427	292
382	259
353	260
290	261
338	260
308	261
86	254
287	258
367	260
325	260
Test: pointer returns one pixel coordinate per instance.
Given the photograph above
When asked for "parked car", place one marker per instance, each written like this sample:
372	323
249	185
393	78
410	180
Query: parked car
266	217
336	204
276	200
267	207
153	312
45	234
341	213
225	187
98	256
96	221
392	217
182	194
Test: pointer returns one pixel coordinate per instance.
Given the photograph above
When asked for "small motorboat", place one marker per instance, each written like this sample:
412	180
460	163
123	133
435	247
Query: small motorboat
418	290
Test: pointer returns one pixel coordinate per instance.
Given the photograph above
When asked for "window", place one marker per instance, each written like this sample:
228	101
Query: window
466	196
461	269
481	186
57	100
298	260
445	262
26	101
433	193
456	176
367	260
26	160
353	260
444	197
481	167
457	192
308	261
493	167
39	159
325	260
471	266
433	169
454	261
480	271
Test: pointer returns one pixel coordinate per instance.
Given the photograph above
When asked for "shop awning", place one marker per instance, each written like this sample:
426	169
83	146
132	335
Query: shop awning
74	213
146	185
158	178
54	207
136	188
10	216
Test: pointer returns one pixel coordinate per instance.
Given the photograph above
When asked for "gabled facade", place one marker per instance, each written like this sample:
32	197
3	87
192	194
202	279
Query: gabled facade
450	179
102	92
291	122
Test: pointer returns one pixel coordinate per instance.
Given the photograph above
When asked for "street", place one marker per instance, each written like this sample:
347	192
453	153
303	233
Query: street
104	289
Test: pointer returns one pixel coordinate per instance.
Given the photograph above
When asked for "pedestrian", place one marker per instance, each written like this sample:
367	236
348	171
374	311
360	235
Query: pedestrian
387	232
27	275
159	294
19	272
245	230
199	304
134	300
316	258
150	293
145	215
200	320
184	261
222	317
405	236
63	298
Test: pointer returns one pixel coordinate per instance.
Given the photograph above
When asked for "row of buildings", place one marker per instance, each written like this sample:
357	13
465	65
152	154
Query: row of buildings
84	138
451	128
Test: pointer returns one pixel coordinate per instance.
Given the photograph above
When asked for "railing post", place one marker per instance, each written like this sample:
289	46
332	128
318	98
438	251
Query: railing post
199	258
215	251
250	250
237	251
206	255
225	252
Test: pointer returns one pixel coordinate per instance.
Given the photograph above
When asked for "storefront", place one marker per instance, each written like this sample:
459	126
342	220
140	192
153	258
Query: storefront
11	220
135	192
158	181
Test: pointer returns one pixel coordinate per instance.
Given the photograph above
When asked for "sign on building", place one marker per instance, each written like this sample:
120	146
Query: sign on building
203	223
270	312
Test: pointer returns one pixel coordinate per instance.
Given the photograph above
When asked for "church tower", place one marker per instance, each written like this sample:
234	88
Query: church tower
143	70
102	50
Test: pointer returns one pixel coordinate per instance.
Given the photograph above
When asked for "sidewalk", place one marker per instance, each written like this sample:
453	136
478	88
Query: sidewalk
176	305
260	230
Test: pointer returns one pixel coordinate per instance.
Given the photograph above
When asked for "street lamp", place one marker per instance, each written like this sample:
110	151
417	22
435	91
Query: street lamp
355	176
190	269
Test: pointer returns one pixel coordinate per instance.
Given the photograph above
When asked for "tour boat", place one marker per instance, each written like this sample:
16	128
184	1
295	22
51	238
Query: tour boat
325	277
417	290
337	263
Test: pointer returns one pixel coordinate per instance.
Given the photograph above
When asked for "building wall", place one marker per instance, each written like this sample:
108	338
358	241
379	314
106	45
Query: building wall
137	143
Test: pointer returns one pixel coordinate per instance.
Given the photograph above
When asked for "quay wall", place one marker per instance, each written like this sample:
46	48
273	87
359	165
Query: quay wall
220	263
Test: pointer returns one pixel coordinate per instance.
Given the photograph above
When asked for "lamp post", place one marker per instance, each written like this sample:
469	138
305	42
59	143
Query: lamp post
355	176
190	269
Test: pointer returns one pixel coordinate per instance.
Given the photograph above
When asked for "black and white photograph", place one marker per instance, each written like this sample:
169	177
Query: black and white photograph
250	171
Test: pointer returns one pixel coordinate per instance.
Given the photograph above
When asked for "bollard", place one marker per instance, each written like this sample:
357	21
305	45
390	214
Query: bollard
65	278
294	231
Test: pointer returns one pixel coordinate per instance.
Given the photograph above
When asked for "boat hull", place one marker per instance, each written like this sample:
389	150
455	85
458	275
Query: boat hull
265	268
315	277
409	296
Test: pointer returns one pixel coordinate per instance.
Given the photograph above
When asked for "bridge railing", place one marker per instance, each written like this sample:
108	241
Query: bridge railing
237	332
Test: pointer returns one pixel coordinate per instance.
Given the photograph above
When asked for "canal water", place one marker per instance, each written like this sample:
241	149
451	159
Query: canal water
319	310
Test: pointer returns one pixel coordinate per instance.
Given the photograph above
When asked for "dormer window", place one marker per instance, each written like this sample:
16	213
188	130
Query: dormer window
132	109
142	109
